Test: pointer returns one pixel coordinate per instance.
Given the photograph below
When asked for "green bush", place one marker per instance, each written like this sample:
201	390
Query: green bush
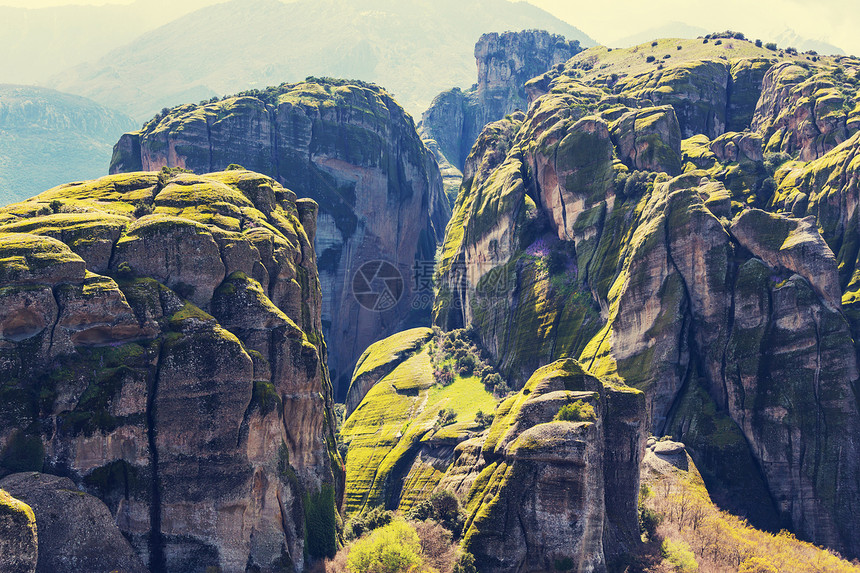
446	417
321	523
465	563
771	46
394	548
373	519
578	411
679	555
443	507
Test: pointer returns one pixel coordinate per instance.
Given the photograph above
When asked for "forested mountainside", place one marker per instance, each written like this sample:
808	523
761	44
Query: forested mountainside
399	45
48	138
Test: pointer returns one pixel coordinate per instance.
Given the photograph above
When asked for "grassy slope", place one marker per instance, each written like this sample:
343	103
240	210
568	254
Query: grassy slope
397	413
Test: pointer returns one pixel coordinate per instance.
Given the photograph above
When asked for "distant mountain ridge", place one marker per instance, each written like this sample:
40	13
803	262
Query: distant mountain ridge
37	43
48	137
414	49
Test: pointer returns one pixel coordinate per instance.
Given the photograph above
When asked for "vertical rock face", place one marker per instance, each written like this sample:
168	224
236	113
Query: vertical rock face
76	531
351	148
505	63
568	240
545	491
186	387
19	545
804	111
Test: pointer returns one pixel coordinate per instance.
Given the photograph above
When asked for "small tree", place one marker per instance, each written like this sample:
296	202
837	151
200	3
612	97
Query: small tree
394	548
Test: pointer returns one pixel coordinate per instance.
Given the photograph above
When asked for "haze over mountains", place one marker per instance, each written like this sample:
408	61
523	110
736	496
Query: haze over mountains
401	46
148	55
48	137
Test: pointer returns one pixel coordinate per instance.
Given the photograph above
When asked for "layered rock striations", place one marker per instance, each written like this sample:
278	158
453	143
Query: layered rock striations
161	346
505	63
588	229
351	148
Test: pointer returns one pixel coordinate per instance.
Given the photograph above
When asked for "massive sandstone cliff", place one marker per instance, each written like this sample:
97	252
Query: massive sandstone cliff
677	267
505	63
351	148
161	346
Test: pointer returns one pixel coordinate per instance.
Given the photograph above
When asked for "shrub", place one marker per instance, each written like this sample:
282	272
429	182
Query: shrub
373	519
678	554
436	545
578	411
55	205
650	59
771	46
168	173
484	420
718	43
442	506
394	548
772	161
466	364
234	167
444	376
758	44
321	523
492	380
446	417
653	44
465	563
142	209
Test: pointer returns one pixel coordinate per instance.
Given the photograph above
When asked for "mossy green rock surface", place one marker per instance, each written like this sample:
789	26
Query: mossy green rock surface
541	489
161	345
398	449
349	146
701	290
19	544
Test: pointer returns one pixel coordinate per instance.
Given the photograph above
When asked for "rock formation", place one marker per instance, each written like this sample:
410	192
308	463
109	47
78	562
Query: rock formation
572	238
76	531
398	446
19	545
350	147
505	63
161	346
545	489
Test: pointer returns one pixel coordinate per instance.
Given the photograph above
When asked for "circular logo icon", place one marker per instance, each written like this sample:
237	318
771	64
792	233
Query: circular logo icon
377	286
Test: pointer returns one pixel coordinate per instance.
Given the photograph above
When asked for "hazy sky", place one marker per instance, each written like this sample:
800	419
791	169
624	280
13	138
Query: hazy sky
833	21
